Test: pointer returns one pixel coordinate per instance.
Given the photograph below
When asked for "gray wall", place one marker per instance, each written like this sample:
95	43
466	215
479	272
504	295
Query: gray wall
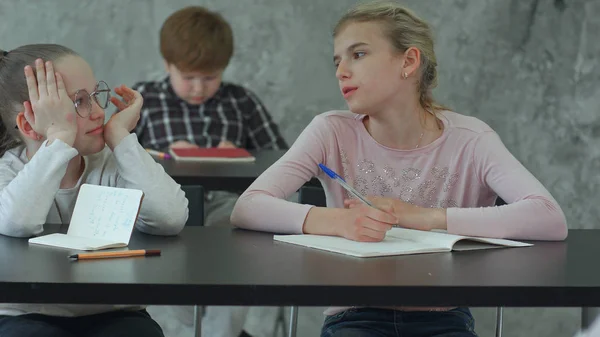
526	67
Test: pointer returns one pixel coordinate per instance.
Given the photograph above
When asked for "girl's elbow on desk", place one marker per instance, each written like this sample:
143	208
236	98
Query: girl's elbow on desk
160	229
560	228
237	218
175	224
21	231
167	224
553	226
241	215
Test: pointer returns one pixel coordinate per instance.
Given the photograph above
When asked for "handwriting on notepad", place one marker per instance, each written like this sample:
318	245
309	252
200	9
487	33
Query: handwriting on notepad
109	212
103	217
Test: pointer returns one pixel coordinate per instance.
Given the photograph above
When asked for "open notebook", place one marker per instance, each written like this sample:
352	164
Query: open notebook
103	218
212	155
398	241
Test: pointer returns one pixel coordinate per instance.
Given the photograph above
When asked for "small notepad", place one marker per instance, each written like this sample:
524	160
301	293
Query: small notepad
103	218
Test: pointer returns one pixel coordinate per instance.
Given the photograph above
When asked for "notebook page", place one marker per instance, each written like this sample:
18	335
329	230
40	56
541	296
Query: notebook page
107	213
391	245
73	242
474	243
451	241
430	238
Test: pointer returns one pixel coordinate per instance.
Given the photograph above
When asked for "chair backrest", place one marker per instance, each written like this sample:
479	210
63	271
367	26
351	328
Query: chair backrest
195	196
314	195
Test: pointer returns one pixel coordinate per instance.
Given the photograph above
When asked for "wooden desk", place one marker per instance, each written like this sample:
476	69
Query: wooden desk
220	266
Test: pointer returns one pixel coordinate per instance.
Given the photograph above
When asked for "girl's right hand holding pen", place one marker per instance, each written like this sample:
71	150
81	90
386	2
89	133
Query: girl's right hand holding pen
360	223
49	111
366	223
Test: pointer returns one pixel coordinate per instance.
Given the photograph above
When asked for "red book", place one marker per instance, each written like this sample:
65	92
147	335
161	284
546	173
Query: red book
212	154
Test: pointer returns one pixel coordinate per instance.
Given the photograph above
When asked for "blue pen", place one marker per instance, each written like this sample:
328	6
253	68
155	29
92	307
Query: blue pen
344	184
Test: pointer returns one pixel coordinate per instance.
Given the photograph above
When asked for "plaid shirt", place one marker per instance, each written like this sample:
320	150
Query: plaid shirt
234	114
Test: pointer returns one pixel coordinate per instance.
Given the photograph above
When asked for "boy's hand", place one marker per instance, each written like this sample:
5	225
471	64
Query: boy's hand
225	144
49	111
125	119
183	144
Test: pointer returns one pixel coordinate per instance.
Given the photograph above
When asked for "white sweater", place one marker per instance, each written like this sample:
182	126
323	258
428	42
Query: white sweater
30	197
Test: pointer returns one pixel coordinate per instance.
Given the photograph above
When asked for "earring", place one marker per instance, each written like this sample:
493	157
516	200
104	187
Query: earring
405	75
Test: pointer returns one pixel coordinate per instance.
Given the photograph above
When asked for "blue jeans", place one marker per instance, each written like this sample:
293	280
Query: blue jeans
374	322
110	324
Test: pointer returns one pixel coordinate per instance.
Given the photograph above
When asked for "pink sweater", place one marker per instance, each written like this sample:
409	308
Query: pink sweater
463	171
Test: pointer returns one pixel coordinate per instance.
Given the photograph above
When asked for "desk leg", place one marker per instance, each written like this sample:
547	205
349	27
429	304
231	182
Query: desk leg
499	321
588	315
197	321
293	321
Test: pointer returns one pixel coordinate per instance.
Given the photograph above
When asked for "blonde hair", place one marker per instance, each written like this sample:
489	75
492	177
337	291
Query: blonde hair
404	29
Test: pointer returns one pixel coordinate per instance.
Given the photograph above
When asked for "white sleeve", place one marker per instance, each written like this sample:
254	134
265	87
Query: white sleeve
27	190
164	208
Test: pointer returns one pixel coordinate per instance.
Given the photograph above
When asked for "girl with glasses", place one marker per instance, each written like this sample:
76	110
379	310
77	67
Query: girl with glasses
53	138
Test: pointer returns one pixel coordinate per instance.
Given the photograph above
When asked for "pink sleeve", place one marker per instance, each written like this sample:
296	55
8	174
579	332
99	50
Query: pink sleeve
531	212
263	206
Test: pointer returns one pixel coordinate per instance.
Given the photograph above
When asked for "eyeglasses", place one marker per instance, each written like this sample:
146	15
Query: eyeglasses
83	100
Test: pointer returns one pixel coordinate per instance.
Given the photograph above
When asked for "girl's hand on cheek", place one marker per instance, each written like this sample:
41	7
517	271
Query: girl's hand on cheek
49	111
